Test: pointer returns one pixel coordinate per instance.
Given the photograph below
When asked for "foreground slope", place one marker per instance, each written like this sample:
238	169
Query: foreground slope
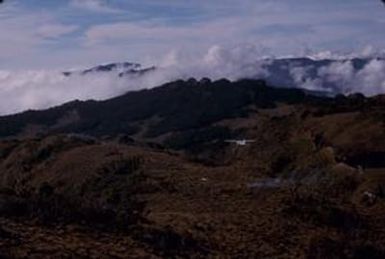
150	174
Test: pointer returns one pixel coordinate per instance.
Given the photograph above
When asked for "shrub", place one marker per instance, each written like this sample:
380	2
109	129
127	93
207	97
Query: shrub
123	166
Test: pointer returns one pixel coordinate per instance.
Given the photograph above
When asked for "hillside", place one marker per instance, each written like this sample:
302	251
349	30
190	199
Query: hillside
150	175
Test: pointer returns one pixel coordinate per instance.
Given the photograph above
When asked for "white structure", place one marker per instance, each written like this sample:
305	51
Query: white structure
240	142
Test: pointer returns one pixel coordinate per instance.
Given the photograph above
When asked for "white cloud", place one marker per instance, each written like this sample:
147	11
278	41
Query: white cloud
371	79
94	5
23	34
55	30
158	33
274	24
341	76
341	72
33	89
189	26
21	90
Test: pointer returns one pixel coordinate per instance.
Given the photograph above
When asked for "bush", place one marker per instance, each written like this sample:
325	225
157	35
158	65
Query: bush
123	166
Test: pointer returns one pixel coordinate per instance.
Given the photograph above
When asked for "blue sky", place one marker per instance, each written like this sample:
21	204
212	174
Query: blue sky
70	33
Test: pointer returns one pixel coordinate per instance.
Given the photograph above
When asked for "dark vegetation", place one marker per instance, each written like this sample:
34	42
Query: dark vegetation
150	174
180	105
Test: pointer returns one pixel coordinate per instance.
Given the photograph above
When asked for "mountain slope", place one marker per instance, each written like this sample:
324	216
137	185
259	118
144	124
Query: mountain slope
151	173
178	105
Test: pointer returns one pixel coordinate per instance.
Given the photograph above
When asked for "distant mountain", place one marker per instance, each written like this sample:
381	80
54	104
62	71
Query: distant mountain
122	69
324	75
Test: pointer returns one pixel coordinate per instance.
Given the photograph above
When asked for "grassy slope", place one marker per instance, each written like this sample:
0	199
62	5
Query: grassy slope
298	191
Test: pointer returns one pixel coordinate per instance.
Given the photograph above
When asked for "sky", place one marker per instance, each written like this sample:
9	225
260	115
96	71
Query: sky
39	39
41	34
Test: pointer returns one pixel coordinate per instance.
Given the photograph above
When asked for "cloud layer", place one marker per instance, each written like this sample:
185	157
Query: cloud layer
38	89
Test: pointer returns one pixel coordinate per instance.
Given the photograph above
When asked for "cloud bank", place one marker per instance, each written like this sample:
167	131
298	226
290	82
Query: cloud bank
342	76
38	89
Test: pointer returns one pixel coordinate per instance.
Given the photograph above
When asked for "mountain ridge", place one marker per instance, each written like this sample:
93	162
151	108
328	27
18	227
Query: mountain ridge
164	96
